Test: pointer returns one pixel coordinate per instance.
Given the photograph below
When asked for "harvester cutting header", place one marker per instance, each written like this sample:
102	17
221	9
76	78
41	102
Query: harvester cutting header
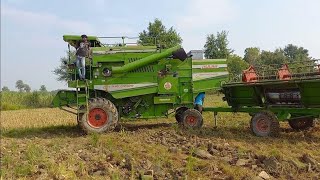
133	81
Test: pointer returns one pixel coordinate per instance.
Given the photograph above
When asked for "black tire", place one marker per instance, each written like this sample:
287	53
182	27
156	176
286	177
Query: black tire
102	117
265	124
301	123
192	118
179	114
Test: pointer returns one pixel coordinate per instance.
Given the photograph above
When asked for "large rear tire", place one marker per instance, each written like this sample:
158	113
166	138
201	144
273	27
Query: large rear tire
301	123
265	124
179	114
192	118
102	116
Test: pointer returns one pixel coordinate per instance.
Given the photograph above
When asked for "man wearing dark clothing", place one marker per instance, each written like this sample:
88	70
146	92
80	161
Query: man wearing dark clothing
83	51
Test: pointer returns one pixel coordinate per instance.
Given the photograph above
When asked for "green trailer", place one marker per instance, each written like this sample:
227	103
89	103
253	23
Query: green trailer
286	94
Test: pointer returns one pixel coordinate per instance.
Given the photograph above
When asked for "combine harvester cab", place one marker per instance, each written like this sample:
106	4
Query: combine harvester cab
289	92
133	81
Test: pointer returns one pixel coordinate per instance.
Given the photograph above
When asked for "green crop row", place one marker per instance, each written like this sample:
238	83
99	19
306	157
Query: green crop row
24	100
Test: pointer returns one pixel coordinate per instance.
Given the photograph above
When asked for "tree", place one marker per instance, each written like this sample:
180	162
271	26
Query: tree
157	33
43	88
5	89
217	46
62	70
20	85
295	53
235	67
275	58
27	88
252	56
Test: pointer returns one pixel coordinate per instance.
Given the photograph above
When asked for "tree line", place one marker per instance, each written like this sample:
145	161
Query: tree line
23	87
215	47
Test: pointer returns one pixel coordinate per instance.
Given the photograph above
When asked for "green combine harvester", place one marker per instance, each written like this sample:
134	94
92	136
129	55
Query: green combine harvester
130	81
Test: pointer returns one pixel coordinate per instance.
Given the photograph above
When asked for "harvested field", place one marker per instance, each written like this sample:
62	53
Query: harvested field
47	144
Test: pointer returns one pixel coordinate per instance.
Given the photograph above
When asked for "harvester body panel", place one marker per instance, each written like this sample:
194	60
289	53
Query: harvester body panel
143	81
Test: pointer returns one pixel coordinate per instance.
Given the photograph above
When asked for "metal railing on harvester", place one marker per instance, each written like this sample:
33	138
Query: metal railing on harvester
297	70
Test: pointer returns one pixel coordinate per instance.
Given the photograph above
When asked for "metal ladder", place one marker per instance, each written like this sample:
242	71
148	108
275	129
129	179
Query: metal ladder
82	93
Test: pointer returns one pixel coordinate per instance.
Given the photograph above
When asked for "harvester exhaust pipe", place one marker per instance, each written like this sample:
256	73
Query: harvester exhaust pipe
176	51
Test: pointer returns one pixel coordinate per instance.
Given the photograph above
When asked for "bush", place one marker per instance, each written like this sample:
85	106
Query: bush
24	100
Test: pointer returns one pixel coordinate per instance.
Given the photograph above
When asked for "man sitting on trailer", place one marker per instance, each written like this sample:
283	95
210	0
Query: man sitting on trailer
198	102
83	51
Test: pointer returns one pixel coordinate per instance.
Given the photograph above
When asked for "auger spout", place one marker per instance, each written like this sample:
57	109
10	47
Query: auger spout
144	61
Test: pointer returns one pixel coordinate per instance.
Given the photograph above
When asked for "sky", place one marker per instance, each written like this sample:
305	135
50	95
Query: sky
32	30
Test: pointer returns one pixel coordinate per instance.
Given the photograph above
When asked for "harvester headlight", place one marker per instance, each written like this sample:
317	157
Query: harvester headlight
106	72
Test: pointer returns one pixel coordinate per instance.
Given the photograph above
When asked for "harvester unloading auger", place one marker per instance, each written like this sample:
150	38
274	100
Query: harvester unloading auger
134	81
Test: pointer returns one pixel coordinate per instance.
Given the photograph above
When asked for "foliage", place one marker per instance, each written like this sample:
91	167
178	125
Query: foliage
216	47
295	53
27	88
268	62
235	67
289	54
22	100
5	89
43	88
20	85
62	70
164	37
273	58
252	55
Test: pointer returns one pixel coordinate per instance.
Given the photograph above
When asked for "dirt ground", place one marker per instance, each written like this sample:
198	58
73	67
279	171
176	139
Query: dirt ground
47	144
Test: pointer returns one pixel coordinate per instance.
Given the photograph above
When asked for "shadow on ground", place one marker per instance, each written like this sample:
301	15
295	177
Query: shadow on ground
44	132
71	130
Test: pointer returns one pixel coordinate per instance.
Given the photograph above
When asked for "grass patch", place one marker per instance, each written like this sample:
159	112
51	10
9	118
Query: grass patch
23	170
236	172
95	139
190	165
24	100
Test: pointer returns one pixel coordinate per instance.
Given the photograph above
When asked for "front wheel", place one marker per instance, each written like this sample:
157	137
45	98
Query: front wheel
265	124
192	118
102	116
301	123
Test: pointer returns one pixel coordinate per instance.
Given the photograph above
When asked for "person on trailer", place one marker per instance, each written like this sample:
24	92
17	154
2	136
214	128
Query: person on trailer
83	51
198	102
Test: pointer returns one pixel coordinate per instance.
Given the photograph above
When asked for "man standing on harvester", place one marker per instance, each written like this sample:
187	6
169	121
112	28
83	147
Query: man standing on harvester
83	51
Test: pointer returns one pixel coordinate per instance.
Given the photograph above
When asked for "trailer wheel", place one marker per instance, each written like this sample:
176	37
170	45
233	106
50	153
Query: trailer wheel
192	118
265	124
301	123
179	114
102	116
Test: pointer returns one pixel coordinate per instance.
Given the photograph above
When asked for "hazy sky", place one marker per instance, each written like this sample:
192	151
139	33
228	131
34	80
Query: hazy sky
31	30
